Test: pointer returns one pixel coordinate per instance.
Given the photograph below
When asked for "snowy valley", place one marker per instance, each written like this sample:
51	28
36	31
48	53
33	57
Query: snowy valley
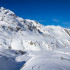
28	45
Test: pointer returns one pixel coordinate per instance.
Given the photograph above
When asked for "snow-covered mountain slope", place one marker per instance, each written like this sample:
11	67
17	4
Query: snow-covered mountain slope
21	35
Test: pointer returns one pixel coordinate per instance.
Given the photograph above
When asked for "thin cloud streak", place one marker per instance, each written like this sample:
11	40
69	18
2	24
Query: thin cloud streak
55	20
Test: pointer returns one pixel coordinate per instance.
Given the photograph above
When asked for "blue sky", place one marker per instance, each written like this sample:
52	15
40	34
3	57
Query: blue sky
47	12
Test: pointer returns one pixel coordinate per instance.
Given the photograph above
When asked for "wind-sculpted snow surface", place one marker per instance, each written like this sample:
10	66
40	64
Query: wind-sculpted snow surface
41	47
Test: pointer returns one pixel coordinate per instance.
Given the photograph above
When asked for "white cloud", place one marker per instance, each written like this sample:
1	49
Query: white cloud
42	20
55	20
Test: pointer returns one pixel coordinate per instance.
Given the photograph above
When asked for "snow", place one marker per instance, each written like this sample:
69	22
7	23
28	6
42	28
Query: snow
48	61
7	60
16	43
28	45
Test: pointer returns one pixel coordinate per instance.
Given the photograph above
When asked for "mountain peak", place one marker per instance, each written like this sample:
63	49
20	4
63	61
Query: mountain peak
4	11
2	8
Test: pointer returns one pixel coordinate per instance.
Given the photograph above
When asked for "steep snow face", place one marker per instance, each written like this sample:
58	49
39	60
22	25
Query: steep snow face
24	34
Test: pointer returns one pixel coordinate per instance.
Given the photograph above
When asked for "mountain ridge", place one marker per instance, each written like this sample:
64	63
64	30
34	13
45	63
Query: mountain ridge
13	25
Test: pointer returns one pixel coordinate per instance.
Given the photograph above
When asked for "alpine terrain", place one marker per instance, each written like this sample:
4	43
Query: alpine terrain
28	45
